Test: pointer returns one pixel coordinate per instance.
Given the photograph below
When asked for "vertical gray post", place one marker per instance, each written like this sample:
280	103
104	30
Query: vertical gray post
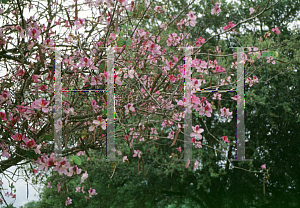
58	107
110	104
240	107
188	107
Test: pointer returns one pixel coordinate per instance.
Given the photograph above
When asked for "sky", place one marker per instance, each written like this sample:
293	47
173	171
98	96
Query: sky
21	185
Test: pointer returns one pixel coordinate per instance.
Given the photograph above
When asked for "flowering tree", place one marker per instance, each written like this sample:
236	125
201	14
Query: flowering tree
149	74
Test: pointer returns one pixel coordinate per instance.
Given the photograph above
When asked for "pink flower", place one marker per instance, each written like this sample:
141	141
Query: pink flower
193	139
207	110
84	176
196	165
68	201
237	98
96	81
85	62
79	23
251	10
74	170
191	21
197	132
250	81
225	139
92	192
173	39
153	131
188	163
94	103
216	9
255	79
130	74
100	121
199	41
171	135
30	143
137	153
78	189
263	167
111	38
48	42
128	107
43	88
225	112
49	185
21	73
126	137
125	158
37	149
198	144
217	96
34	33
41	104
58	125
123	2
5	96
58	187
164	26
3	116
230	25
51	162
62	167
18	137
276	30
179	149
154	48
70	111
117	80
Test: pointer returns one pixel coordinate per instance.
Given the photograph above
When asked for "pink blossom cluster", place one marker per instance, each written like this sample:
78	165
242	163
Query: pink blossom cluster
225	112
227	27
216	9
276	30
251	81
199	42
173	40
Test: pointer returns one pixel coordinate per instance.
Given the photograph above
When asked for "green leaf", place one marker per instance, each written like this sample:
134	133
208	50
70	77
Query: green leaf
113	166
32	155
121	33
274	53
48	137
264	54
4	1
141	9
128	44
101	66
118	127
124	27
76	159
130	13
121	42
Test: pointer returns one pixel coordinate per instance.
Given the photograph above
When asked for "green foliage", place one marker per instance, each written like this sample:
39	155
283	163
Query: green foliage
121	42
76	159
32	155
128	44
48	137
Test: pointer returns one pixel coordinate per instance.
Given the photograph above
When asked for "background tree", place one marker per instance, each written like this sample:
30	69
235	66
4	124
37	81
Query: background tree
212	183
